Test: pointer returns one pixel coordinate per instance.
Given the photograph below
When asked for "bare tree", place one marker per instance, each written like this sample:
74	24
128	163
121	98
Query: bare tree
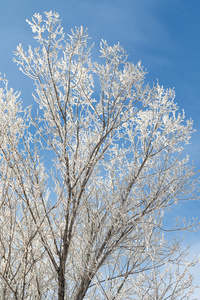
85	182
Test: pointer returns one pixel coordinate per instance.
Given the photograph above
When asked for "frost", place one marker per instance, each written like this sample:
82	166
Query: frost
85	181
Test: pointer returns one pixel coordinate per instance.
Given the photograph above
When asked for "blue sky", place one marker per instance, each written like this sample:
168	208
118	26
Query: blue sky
163	34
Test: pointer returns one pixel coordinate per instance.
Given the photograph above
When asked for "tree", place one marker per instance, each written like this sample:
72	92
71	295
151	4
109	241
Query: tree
85	182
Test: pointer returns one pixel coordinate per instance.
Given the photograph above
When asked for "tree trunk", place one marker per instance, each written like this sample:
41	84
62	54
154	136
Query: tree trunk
61	283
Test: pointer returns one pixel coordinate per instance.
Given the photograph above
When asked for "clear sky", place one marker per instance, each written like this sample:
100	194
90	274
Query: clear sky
163	34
